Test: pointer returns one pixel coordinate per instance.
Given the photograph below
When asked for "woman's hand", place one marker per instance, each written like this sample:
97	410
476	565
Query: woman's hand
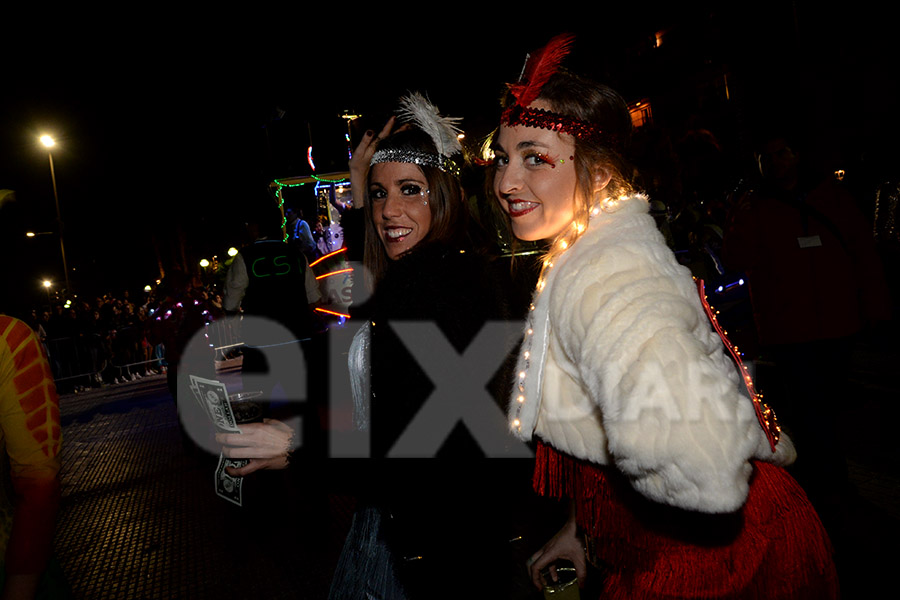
564	545
359	162
267	445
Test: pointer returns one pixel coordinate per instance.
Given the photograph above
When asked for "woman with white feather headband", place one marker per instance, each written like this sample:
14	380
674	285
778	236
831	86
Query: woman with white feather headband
643	421
416	515
408	202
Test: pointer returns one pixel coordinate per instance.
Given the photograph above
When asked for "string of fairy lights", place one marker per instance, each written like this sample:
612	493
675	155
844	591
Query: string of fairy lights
562	243
764	414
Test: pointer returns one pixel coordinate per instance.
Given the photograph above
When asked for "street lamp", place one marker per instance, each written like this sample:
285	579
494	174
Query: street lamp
350	117
49	142
47	283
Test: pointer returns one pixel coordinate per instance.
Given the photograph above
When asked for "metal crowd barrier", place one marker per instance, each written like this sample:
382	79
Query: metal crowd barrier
88	360
224	336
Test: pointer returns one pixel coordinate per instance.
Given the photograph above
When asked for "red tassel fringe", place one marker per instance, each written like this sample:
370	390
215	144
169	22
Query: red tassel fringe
775	547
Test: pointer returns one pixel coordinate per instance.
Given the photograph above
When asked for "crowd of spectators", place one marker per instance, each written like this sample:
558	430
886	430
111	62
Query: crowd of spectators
110	339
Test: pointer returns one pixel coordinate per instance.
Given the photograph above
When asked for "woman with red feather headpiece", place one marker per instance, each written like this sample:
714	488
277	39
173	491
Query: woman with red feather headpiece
643	414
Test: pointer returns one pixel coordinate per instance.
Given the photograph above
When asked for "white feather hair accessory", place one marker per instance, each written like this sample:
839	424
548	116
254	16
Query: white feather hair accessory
443	131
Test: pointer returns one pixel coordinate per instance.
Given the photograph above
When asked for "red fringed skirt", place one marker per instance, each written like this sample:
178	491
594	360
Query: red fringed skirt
774	547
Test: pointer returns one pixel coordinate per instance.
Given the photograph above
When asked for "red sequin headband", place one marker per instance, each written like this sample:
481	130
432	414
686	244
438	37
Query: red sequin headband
545	119
539	68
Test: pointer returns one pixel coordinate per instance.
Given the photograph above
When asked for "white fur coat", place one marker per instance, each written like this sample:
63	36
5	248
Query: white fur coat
621	366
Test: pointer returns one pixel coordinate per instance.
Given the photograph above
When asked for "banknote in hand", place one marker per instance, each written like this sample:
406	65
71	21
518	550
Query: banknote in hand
213	397
227	486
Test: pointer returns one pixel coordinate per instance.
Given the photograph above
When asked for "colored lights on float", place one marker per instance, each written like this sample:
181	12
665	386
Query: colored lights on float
279	195
727	288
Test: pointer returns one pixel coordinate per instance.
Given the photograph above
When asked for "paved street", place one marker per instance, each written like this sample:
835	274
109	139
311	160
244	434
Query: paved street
140	519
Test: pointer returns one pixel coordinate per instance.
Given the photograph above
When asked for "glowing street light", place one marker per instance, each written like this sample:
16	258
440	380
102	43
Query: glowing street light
232	251
49	142
350	117
47	283
204	263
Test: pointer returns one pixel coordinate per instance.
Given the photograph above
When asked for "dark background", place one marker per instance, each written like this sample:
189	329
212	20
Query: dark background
170	125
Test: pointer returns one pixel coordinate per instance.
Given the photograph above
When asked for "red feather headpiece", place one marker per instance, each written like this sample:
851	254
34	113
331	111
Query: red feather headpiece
539	68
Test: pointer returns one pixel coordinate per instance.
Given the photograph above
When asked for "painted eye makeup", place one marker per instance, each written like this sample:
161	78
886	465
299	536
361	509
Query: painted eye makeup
408	189
413	189
536	158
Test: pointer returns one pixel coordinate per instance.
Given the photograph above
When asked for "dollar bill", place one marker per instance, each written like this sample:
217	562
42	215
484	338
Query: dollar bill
227	486
213	397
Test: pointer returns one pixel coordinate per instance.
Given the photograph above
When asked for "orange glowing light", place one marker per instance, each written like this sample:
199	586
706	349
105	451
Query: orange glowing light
331	312
318	260
334	273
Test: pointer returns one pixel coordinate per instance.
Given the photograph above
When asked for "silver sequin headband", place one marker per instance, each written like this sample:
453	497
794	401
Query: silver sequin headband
423	159
443	131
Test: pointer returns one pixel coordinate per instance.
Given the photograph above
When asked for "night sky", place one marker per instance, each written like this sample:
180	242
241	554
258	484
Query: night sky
175	123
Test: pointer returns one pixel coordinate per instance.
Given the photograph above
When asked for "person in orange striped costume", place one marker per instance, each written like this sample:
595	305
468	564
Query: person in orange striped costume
30	438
